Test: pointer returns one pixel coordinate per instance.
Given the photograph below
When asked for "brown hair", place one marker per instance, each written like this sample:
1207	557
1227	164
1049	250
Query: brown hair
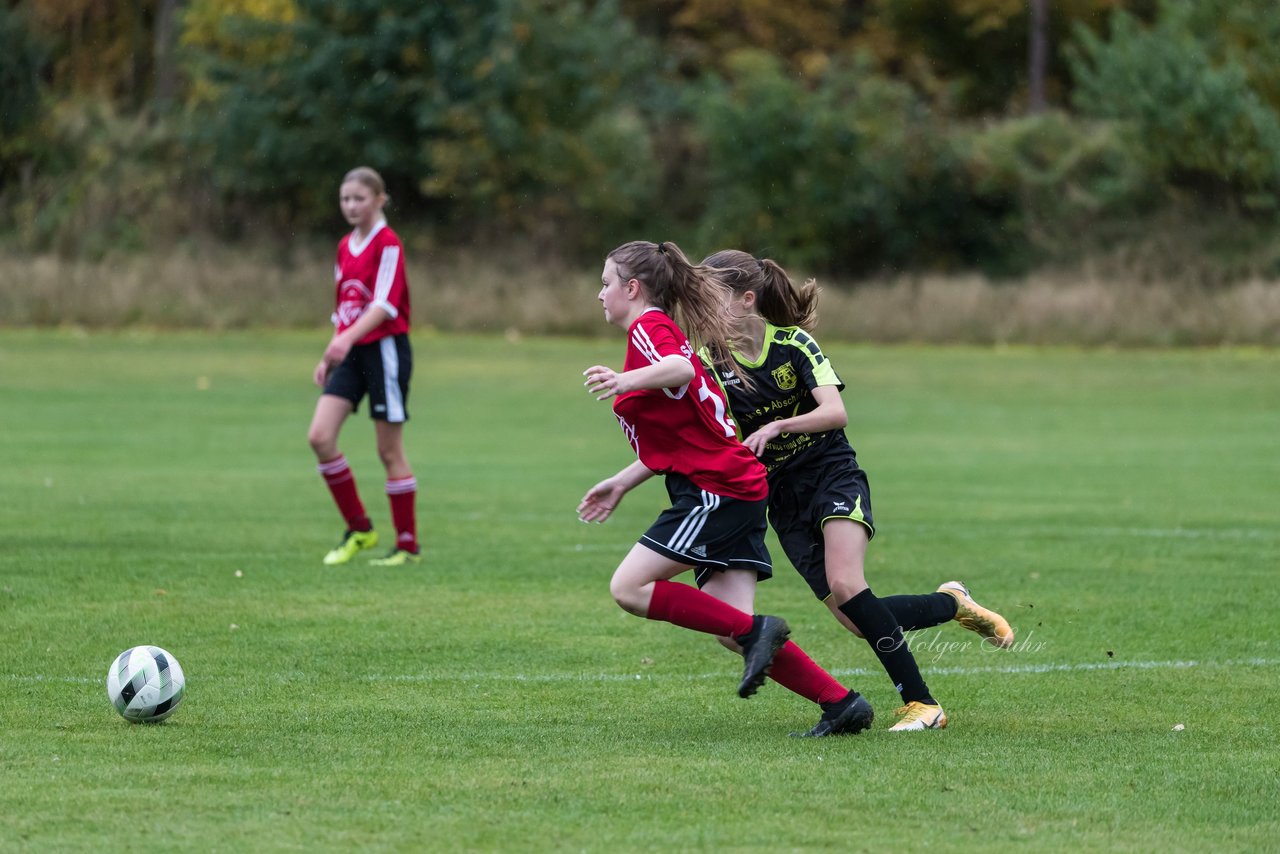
778	300
694	295
370	178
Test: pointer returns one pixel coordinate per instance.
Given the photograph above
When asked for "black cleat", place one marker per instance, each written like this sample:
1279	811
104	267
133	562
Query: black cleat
851	715
759	646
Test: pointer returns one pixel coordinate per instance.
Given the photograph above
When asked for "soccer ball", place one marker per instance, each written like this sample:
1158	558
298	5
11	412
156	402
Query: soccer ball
145	684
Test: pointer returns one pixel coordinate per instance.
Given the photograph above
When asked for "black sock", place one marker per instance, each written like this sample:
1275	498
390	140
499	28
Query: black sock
883	633
922	610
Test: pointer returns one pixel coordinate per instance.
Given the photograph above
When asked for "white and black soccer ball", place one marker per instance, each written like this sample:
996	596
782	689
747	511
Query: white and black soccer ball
145	684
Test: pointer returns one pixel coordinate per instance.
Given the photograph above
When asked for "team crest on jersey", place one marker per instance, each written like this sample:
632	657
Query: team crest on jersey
785	377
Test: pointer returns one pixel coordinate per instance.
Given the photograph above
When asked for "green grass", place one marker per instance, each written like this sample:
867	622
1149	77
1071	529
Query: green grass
1121	508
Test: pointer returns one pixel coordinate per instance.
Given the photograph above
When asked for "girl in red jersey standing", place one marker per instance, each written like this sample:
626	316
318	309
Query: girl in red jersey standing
369	354
675	418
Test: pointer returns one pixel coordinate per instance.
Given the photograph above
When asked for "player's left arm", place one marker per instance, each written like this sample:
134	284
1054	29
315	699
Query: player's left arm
830	414
670	371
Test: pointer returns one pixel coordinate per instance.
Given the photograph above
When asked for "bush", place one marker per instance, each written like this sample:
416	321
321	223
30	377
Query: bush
492	115
826	177
1063	183
105	182
1199	122
853	176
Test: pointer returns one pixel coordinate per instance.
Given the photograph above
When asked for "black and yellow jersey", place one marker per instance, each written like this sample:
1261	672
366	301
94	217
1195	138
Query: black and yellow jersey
790	366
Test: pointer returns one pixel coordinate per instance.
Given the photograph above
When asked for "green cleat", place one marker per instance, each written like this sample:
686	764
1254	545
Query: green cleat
352	543
397	557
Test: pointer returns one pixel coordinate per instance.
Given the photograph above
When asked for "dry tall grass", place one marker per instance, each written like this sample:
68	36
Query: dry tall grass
466	291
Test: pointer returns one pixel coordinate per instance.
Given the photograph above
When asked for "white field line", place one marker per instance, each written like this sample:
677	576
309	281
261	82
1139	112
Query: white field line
481	676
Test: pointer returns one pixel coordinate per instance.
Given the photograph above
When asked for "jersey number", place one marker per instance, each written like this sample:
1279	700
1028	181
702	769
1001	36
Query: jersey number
705	393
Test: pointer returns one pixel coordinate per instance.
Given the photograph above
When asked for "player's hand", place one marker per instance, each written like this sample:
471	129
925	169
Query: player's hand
337	350
321	373
603	382
600	501
766	434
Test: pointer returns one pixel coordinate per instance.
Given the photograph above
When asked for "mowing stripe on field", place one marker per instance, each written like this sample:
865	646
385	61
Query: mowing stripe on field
1013	669
848	671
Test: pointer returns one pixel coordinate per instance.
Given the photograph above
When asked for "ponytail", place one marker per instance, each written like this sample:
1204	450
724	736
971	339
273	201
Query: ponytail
693	295
778	300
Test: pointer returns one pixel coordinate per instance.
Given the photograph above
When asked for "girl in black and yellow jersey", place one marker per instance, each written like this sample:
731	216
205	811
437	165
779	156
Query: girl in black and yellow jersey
790	414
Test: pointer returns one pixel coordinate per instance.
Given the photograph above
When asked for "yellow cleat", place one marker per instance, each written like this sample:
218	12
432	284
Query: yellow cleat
352	543
994	628
397	557
916	715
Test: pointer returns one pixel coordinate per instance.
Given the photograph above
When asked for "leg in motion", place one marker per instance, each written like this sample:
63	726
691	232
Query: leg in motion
642	585
843	711
845	545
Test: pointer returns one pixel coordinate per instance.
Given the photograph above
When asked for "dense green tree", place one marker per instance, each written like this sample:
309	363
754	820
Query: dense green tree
22	59
1246	32
100	47
850	135
1187	100
506	112
852	175
971	56
806	34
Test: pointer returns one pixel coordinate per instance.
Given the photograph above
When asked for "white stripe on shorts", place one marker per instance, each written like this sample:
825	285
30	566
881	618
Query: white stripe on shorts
391	379
692	525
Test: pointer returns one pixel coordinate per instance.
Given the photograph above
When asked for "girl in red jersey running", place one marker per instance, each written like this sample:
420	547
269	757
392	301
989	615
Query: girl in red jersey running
674	416
786	397
369	354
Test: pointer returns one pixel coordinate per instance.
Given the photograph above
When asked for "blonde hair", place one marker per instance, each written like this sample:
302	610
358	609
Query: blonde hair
370	178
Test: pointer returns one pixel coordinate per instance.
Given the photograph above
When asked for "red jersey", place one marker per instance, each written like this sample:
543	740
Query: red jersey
371	273
686	430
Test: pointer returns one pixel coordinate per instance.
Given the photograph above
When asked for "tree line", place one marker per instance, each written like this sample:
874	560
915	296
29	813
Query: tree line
843	135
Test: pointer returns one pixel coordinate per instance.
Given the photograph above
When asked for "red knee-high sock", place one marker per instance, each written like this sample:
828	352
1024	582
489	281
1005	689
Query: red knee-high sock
690	608
797	672
342	484
403	494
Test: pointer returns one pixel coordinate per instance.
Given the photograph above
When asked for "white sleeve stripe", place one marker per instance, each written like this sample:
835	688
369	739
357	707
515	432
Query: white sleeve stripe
640	337
386	276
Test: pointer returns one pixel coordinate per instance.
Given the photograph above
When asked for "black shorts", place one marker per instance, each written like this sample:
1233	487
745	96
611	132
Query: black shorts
381	370
832	486
710	532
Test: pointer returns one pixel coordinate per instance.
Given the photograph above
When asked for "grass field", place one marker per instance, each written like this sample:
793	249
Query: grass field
1121	508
